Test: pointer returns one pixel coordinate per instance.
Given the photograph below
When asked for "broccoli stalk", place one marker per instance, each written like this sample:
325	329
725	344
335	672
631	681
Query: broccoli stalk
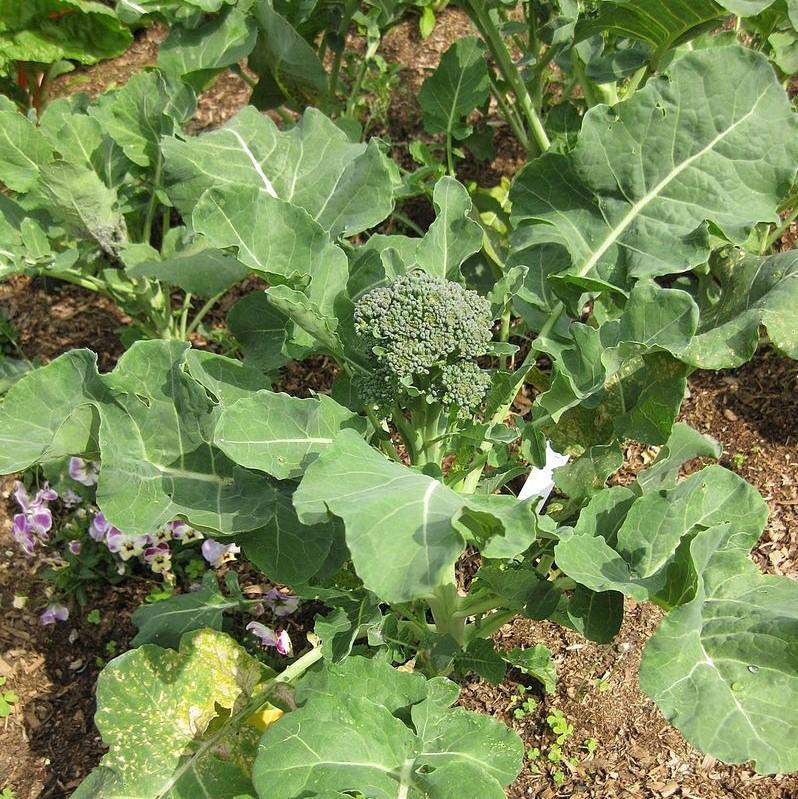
422	335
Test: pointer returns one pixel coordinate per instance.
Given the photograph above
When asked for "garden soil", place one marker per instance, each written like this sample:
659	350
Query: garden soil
48	743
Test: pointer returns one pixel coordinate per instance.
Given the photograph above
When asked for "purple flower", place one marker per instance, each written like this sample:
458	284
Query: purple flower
53	613
75	546
23	534
84	472
281	604
99	527
182	531
70	498
36	519
129	546
270	638
217	554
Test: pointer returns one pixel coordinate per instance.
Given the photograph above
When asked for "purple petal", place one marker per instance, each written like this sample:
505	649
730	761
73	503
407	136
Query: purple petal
113	540
22	534
41	521
53	613
267	636
75	546
45	494
284	646
159	550
99	527
281	604
21	496
84	472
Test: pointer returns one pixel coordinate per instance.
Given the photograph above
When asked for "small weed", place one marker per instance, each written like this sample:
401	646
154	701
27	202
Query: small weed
739	459
8	793
93	617
7	700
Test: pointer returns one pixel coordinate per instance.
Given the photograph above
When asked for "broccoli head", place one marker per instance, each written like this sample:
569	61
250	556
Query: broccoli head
423	334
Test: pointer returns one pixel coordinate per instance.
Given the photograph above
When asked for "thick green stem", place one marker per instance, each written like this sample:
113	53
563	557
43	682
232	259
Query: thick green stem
146	234
444	606
782	228
509	114
504	334
483	18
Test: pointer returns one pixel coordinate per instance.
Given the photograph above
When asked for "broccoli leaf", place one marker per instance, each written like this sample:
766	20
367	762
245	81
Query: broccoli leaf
458	86
345	187
722	667
364	726
625	212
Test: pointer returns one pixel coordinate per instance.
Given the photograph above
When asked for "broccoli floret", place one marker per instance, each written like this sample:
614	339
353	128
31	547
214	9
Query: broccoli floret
423	334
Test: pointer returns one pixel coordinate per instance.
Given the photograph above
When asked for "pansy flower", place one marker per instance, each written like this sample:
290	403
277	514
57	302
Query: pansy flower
182	531
53	613
126	546
271	638
75	546
159	556
218	554
84	472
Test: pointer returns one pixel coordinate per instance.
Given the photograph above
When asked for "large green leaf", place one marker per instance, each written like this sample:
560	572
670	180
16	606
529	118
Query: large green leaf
23	149
374	495
261	330
164	623
275	238
458	86
371	729
47	31
185	708
155	437
722	668
197	54
146	108
279	434
289	67
753	291
429	523
633	557
624	211
345	187
662	25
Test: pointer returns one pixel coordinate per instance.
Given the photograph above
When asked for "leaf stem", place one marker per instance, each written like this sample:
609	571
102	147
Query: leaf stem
483	19
202	313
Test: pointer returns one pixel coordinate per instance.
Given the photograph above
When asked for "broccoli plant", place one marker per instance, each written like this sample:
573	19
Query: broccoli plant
423	335
627	270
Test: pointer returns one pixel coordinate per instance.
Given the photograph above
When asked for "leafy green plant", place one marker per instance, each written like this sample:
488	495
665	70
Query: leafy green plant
42	39
626	273
359	725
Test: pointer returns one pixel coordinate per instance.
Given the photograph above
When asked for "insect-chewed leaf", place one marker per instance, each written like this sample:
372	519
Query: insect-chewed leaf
722	667
172	720
753	291
363	726
279	434
625	212
345	187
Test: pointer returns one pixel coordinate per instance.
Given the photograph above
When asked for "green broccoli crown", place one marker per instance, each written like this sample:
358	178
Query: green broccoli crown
424	331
